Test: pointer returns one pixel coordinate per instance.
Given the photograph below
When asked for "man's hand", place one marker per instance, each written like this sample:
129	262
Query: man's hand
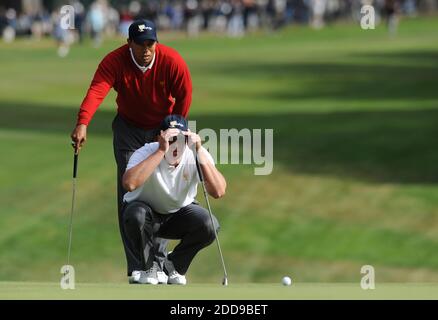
193	138
79	136
165	136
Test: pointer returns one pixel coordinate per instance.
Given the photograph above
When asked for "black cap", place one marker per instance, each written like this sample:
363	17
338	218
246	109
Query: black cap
174	121
142	30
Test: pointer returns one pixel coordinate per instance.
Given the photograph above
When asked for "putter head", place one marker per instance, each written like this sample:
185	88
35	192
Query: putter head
225	282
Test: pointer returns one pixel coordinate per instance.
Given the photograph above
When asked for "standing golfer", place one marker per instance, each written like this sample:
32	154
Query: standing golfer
152	81
162	180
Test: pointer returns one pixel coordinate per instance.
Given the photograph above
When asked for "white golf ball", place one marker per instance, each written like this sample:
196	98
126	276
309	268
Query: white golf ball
286	281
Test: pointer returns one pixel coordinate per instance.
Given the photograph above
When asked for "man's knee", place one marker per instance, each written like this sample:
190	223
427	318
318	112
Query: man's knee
208	229
136	215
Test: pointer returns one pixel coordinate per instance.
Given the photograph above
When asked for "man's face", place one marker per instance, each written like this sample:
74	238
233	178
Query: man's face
143	53
177	145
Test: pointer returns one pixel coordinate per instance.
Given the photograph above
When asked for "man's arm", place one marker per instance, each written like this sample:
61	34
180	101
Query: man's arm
215	183
101	84
137	175
181	88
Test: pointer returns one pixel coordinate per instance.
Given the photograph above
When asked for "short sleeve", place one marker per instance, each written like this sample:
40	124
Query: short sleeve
142	154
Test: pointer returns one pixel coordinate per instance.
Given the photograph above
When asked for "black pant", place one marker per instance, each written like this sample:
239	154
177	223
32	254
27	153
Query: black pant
126	140
192	224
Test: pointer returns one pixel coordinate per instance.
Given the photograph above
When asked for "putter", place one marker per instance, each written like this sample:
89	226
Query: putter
75	171
201	177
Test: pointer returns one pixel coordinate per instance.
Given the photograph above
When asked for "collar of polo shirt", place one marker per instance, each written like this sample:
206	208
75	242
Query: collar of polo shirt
143	69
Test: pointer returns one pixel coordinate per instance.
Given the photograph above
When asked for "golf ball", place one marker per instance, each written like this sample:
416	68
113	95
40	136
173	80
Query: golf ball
287	281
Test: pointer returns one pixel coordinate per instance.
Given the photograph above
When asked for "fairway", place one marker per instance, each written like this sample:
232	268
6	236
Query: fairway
253	291
355	177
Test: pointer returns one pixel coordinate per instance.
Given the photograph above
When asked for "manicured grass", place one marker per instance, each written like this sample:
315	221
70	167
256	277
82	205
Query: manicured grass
243	291
355	121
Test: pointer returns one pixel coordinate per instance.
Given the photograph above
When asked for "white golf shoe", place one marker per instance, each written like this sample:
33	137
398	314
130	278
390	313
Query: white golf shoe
135	277
162	277
145	277
174	276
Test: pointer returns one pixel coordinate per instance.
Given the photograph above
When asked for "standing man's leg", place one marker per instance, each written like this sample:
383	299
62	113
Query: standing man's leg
138	227
127	139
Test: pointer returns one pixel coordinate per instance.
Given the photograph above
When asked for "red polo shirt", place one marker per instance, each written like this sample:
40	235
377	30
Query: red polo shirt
143	99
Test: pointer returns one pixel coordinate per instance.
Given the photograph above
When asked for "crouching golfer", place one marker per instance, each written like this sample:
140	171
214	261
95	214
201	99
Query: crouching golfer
162	180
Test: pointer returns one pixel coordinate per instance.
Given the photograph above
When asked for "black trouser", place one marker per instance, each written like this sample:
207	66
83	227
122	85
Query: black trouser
191	224
126	139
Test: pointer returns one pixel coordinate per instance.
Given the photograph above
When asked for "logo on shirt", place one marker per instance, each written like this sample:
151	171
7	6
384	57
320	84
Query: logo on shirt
185	175
142	28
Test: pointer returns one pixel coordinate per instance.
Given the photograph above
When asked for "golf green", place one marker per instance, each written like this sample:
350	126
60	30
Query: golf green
241	291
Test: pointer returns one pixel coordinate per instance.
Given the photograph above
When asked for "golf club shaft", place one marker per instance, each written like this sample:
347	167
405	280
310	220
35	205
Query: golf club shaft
75	170
201	177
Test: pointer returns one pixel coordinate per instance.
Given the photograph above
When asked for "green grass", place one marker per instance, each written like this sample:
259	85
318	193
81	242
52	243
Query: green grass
355	119
242	291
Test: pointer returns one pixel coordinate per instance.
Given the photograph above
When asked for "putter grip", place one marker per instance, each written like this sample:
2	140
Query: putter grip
75	165
198	167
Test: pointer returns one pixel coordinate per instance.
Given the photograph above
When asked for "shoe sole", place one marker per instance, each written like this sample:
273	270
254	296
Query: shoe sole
149	281
177	283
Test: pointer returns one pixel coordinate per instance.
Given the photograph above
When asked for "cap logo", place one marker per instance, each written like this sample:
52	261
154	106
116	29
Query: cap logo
142	28
173	124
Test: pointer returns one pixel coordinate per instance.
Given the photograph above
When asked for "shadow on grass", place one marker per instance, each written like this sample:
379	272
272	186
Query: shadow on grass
337	81
409	56
383	77
386	146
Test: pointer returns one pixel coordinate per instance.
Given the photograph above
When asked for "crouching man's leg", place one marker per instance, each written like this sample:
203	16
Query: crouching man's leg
192	224
138	225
